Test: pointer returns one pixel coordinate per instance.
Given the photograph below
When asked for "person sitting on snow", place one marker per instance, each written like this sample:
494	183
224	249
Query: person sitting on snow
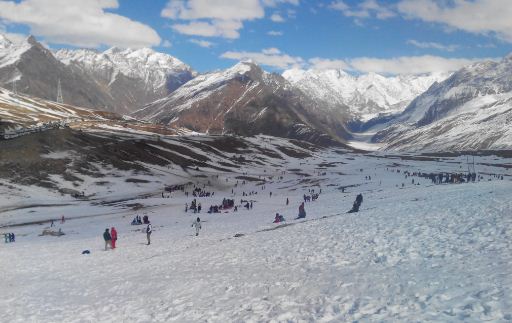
279	218
302	211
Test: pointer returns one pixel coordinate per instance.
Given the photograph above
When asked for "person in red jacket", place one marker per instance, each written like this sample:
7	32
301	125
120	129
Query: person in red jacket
113	234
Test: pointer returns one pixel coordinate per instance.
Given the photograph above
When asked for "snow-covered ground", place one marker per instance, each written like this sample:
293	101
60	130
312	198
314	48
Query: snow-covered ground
413	253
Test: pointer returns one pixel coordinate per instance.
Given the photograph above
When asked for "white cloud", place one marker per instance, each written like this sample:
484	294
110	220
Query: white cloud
271	51
274	3
78	22
272	57
489	17
277	18
275	33
201	43
488	45
318	63
409	64
397	65
214	9
212	18
166	44
364	9
218	18
217	28
434	45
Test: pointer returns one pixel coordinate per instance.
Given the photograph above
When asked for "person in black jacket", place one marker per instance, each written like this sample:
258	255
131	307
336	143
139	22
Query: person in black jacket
107	238
357	203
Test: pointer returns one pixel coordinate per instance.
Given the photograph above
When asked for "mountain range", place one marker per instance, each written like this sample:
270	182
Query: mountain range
366	96
469	109
245	100
116	80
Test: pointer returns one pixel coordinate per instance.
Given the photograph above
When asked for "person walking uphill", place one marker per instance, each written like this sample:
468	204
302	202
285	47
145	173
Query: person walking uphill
197	224
113	234
149	230
108	239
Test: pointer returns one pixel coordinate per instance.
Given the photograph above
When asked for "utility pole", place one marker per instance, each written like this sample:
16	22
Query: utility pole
59	93
14	89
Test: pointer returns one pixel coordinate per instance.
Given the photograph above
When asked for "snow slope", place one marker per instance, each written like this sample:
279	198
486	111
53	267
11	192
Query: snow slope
472	109
367	96
21	111
418	253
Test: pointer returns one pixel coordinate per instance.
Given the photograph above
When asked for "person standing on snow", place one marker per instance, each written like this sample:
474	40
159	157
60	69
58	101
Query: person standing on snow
113	234
108	239
149	230
197	224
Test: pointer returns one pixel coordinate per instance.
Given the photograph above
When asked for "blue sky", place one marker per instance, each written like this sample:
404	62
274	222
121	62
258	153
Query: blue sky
384	36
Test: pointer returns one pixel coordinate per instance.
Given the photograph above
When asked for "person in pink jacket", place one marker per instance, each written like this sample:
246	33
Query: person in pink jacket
113	234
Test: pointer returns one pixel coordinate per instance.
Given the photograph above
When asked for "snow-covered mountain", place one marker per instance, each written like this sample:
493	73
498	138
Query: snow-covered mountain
472	109
118	80
151	74
366	96
244	100
37	72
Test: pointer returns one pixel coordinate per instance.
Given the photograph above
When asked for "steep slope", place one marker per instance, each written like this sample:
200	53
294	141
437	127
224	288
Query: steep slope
244	100
470	110
37	72
132	77
366	96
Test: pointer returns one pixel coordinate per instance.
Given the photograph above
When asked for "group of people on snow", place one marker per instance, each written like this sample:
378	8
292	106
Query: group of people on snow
110	238
9	237
194	206
137	220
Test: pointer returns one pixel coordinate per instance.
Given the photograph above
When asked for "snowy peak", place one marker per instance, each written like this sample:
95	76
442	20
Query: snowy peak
11	53
366	95
4	42
243	100
482	79
470	110
131	61
151	67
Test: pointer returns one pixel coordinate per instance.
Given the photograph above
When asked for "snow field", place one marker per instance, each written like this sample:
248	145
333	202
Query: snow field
421	253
